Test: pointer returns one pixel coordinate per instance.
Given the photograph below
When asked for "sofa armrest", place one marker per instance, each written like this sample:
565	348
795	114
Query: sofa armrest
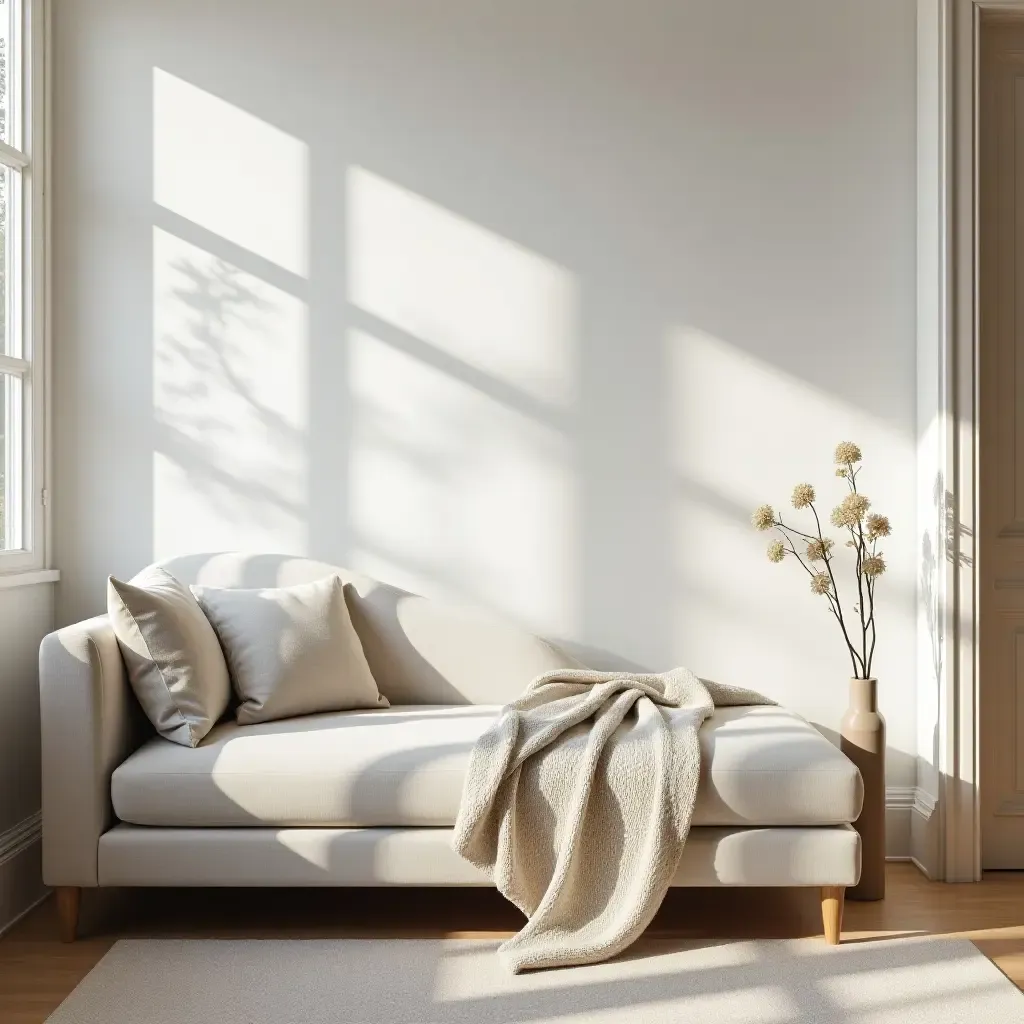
91	722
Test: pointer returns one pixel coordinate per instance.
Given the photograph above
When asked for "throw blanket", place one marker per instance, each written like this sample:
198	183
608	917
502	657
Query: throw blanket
578	801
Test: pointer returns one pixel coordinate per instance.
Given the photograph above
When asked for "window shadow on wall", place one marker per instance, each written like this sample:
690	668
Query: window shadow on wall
535	333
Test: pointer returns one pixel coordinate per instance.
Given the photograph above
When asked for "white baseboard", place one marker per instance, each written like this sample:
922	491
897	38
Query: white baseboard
906	809
921	867
21	869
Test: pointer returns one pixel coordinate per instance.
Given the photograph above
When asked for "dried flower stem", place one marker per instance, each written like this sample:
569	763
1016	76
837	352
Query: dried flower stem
799	533
871	616
866	613
835	589
871	652
833	598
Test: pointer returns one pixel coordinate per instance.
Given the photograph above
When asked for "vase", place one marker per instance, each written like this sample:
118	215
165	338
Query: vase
862	733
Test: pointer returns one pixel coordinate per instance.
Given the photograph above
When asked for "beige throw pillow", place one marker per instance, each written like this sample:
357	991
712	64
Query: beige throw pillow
291	650
174	661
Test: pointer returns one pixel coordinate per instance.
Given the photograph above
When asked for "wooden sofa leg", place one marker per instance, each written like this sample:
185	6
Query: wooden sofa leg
69	900
832	912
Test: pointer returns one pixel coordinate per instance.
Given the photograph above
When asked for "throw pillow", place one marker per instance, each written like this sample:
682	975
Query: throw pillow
174	661
291	650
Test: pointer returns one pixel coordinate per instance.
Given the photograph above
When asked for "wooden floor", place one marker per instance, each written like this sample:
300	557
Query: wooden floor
37	971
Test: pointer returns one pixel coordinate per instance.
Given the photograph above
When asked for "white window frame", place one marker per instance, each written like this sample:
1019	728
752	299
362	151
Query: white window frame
27	495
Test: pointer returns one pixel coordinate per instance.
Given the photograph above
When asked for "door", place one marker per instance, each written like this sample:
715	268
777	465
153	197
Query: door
1001	442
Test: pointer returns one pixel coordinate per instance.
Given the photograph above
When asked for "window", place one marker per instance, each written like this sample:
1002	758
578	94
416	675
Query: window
22	270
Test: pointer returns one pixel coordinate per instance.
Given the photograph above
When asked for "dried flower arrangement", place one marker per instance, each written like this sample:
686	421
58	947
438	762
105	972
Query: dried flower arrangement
865	530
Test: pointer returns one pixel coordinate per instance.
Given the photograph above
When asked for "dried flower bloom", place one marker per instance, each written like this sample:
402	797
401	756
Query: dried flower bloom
860	530
847	452
872	566
817	550
858	504
803	495
763	518
850	510
878	526
820	583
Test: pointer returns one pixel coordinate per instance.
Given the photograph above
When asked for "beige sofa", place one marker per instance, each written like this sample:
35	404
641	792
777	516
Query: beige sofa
368	798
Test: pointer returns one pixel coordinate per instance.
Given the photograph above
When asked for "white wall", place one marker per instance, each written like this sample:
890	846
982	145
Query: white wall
26	616
528	304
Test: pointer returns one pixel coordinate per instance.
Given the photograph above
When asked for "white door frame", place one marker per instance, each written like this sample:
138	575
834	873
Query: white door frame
957	31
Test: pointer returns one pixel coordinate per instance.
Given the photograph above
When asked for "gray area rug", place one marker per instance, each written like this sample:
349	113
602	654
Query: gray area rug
288	981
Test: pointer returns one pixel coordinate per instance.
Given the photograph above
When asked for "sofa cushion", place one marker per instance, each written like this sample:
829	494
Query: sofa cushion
174	660
291	650
405	766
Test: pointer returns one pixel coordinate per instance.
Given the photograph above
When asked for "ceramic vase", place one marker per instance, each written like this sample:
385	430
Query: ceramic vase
862	733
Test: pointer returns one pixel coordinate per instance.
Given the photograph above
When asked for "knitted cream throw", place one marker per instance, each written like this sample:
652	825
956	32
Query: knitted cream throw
577	803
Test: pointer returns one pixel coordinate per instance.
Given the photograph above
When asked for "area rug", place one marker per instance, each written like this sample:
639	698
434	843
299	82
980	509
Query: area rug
294	981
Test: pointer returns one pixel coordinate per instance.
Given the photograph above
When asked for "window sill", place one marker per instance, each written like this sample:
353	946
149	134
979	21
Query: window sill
29	578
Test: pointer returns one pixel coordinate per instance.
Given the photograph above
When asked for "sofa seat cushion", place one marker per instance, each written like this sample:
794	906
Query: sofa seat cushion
405	766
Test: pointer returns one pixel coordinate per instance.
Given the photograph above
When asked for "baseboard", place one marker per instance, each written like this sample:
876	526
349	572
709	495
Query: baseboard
925	838
21	869
28	910
921	867
907	809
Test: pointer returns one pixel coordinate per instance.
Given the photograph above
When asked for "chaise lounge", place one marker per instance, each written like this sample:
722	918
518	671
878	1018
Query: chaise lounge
369	798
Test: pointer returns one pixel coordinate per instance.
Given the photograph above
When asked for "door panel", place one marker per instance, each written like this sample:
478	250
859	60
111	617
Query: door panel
1001	423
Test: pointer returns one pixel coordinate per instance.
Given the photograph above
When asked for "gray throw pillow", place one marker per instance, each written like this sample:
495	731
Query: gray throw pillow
291	650
174	661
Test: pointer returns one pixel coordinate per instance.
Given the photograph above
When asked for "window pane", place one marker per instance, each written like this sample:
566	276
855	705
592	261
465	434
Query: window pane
10	263
10	462
10	129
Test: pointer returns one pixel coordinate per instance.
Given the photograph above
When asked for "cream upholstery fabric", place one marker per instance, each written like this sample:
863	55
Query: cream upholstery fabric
173	657
420	651
130	855
406	765
291	650
90	724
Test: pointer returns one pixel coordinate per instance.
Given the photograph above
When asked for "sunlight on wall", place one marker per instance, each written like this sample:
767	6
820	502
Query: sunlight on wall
230	359
461	476
744	433
453	494
470	293
230	405
230	173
